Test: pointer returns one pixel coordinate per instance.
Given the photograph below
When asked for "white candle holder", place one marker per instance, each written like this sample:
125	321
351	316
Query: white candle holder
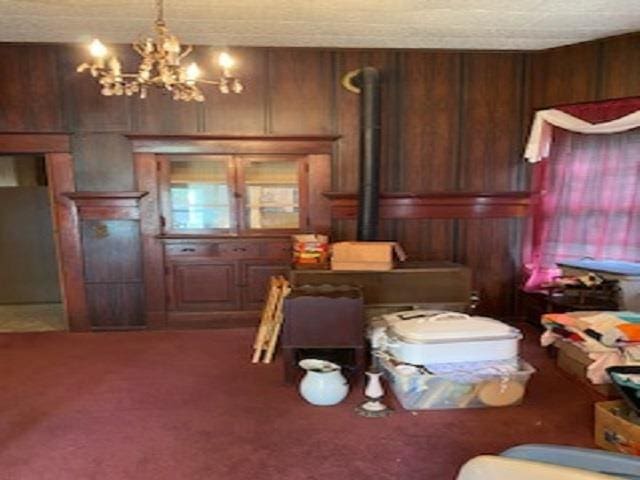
373	407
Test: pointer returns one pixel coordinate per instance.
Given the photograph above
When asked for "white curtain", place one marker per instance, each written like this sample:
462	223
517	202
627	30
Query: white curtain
541	131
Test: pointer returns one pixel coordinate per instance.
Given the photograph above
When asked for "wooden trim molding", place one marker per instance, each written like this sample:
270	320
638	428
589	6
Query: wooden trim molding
105	196
68	241
152	250
200	144
34	143
107	205
415	206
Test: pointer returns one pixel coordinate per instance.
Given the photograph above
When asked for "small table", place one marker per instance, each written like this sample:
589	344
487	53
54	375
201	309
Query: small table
322	317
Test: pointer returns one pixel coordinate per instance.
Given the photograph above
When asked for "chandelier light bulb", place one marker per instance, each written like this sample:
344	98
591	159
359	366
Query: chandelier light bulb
97	49
226	61
192	72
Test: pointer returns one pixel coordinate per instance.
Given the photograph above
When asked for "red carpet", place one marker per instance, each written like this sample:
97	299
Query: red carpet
189	405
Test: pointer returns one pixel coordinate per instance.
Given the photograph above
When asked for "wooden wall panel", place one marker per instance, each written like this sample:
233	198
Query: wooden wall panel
564	75
86	109
431	105
112	306
301	92
490	145
243	114
103	162
345	163
428	239
451	121
30	96
111	250
488	248
620	70
177	117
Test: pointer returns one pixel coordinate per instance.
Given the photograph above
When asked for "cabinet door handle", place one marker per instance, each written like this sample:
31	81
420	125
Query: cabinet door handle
239	249
188	250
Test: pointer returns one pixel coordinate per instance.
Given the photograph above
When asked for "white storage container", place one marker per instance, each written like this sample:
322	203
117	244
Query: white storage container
485	386
427	338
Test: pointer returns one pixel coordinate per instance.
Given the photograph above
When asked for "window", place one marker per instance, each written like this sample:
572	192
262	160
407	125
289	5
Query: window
589	204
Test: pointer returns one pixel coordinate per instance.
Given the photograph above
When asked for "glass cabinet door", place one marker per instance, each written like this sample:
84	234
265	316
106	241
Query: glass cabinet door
199	194
271	194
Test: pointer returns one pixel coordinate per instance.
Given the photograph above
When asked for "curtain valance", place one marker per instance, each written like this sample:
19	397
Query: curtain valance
611	116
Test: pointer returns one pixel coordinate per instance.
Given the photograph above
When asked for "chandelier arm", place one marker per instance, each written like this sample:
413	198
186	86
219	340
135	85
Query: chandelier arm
138	48
187	50
207	82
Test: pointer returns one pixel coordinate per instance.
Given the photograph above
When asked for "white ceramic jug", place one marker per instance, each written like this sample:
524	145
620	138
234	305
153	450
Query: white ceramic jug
323	384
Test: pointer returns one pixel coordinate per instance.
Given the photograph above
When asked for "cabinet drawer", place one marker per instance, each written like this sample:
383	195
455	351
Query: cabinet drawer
191	249
278	250
239	250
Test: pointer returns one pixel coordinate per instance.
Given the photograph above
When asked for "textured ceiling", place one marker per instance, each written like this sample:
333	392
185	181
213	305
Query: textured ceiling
476	24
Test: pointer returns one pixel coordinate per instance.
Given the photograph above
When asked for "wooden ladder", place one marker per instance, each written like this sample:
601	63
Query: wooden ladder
270	321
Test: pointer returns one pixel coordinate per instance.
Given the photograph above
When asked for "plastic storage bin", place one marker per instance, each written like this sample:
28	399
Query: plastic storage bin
416	389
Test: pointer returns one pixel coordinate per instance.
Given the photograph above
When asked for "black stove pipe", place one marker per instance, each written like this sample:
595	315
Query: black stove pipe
368	80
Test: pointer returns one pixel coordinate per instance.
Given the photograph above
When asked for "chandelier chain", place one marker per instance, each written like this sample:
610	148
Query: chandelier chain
160	10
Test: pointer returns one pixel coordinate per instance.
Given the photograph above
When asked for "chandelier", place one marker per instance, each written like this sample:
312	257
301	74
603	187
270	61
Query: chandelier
161	66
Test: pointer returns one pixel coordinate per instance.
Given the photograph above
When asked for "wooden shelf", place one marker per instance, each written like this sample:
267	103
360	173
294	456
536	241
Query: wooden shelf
104	195
114	205
409	205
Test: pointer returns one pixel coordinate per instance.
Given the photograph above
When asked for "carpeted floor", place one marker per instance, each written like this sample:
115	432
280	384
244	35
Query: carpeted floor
189	405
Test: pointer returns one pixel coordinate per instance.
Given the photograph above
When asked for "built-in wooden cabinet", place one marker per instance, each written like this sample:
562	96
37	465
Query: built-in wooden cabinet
218	221
207	277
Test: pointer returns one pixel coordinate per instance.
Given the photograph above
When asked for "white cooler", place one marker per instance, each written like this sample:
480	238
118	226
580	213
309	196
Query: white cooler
424	337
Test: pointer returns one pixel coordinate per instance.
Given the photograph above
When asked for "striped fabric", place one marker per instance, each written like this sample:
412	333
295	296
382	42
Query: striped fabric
589	202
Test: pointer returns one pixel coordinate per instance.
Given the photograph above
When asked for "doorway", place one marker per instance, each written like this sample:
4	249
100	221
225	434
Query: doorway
30	293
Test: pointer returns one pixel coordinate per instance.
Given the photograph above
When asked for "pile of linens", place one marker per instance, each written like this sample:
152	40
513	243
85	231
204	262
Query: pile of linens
609	338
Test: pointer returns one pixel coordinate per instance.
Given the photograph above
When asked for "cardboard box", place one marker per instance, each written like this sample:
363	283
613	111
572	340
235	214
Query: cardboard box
574	361
617	427
375	256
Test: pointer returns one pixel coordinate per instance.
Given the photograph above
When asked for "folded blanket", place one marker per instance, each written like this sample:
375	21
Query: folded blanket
561	319
599	323
620	334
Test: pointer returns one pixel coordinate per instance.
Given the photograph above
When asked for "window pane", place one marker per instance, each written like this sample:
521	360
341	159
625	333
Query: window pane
199	195
272	195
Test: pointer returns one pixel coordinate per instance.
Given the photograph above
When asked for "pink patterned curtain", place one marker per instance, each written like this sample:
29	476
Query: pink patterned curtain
588	203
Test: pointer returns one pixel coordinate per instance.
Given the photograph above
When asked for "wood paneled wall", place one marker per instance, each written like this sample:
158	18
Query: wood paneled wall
452	121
